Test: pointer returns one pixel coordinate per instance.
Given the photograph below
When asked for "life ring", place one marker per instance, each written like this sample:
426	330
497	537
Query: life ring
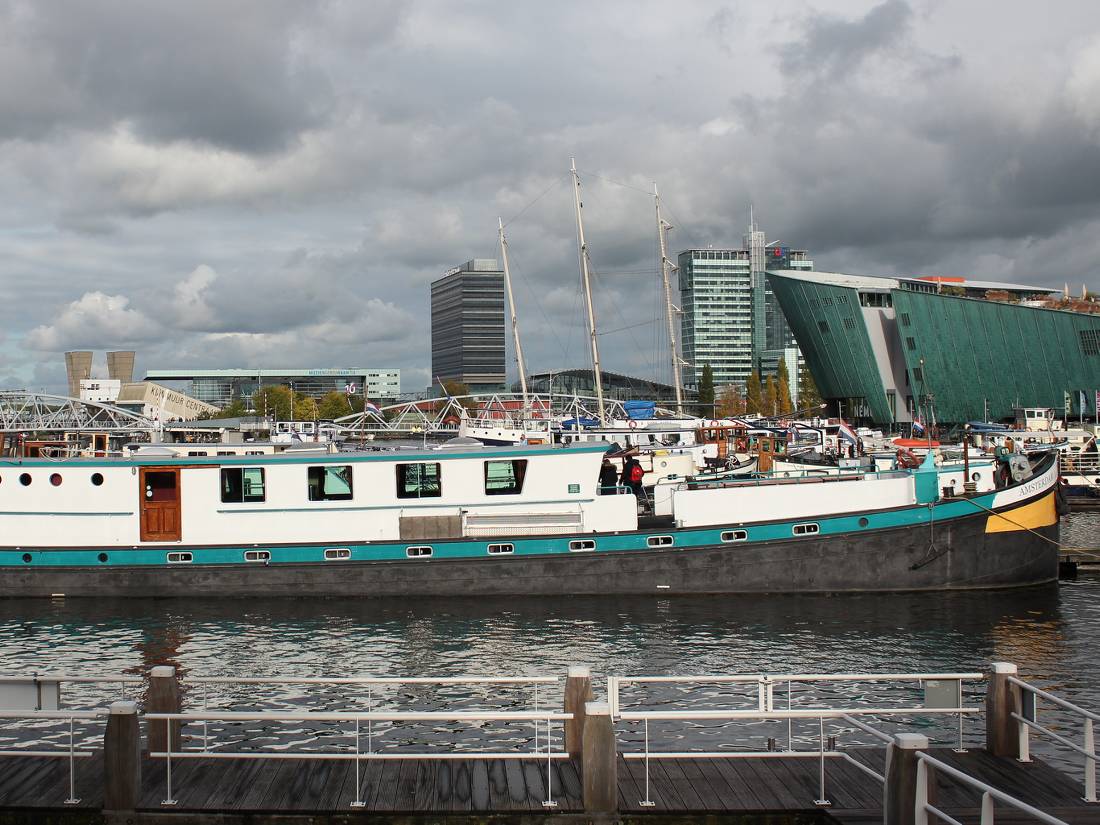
714	424
907	460
633	425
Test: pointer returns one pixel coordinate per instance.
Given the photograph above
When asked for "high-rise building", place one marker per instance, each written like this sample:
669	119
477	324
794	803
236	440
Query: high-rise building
78	367
730	318
468	326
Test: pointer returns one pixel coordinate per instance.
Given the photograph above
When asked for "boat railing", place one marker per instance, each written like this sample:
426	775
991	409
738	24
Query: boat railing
1027	721
359	728
1079	463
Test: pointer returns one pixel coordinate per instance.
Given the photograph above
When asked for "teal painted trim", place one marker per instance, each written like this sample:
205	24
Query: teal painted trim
33	513
403	457
683	540
401	505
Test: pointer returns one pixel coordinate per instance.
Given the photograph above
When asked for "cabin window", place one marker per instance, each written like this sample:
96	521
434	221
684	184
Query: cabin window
179	558
581	545
253	452
505	478
242	484
418	552
55	479
97	479
331	482
734	535
419	481
257	555
659	541
226	452
197	452
337	553
807	529
501	549
25	479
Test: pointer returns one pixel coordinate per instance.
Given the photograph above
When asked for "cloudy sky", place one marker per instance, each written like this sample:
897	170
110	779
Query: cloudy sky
275	183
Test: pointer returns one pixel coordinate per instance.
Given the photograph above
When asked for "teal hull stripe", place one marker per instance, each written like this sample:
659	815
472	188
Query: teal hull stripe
123	556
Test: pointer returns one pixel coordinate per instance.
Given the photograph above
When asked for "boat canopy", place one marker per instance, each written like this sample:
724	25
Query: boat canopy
640	410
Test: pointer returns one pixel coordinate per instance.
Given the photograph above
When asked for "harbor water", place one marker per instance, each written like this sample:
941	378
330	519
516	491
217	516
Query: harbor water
1051	632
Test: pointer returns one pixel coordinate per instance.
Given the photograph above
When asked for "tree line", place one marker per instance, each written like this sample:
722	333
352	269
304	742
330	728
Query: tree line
769	397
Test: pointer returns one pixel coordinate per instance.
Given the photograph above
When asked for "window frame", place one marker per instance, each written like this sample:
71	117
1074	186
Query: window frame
519	476
250	498
401	481
325	469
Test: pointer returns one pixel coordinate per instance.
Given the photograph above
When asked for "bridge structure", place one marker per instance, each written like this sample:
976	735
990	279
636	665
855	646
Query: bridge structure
511	410
23	411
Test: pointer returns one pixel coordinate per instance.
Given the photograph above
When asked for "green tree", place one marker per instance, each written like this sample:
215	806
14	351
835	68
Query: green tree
729	402
333	405
706	392
771	397
274	402
458	389
754	396
783	388
808	396
305	408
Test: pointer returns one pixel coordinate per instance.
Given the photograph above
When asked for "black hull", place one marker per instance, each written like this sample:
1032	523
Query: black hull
956	555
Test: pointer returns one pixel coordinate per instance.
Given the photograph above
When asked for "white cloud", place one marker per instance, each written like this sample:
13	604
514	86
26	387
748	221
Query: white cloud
95	320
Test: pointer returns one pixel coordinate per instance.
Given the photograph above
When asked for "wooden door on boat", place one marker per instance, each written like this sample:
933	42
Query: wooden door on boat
160	504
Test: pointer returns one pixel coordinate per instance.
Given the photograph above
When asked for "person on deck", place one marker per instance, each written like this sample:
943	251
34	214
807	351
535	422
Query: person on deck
608	478
632	476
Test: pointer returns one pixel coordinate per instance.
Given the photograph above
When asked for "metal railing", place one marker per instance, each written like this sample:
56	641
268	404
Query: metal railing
766	683
70	753
1027	720
358	754
926	765
826	748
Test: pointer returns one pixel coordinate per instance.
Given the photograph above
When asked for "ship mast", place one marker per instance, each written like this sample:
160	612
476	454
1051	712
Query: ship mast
666	270
515	323
597	376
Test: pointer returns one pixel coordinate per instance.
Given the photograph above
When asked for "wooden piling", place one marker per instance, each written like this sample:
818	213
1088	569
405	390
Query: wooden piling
122	758
578	692
163	697
600	769
900	793
1002	699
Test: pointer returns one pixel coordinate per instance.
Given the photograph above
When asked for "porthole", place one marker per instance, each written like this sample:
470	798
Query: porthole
501	549
734	535
97	479
863	522
25	479
257	555
55	479
975	476
26	558
337	553
179	558
805	529
581	546
418	552
659	541
102	558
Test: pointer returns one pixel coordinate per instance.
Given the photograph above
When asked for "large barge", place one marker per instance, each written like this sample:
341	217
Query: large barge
479	521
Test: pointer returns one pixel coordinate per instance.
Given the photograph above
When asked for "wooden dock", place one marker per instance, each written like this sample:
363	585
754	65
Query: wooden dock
290	790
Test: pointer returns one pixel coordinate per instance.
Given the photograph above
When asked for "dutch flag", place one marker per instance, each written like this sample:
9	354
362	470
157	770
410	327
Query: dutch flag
918	425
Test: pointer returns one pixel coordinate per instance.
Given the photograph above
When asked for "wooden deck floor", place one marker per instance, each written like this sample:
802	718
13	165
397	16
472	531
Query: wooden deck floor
696	786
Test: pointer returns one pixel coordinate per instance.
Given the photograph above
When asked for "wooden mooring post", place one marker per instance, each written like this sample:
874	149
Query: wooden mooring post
578	692
122	758
900	793
1002	699
163	697
599	771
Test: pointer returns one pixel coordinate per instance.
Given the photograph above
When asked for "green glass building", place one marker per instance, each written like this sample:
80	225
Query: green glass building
882	348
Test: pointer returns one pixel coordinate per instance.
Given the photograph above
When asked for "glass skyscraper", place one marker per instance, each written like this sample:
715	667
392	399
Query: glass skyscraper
468	326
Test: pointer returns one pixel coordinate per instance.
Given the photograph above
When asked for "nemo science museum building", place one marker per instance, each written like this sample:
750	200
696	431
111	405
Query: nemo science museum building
880	349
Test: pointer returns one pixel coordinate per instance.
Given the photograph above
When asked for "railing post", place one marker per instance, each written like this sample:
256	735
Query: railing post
1001	701
578	692
163	697
899	803
599	769
122	758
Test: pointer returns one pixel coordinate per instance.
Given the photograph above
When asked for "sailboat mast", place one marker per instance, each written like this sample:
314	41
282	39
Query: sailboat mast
597	376
512	309
666	271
